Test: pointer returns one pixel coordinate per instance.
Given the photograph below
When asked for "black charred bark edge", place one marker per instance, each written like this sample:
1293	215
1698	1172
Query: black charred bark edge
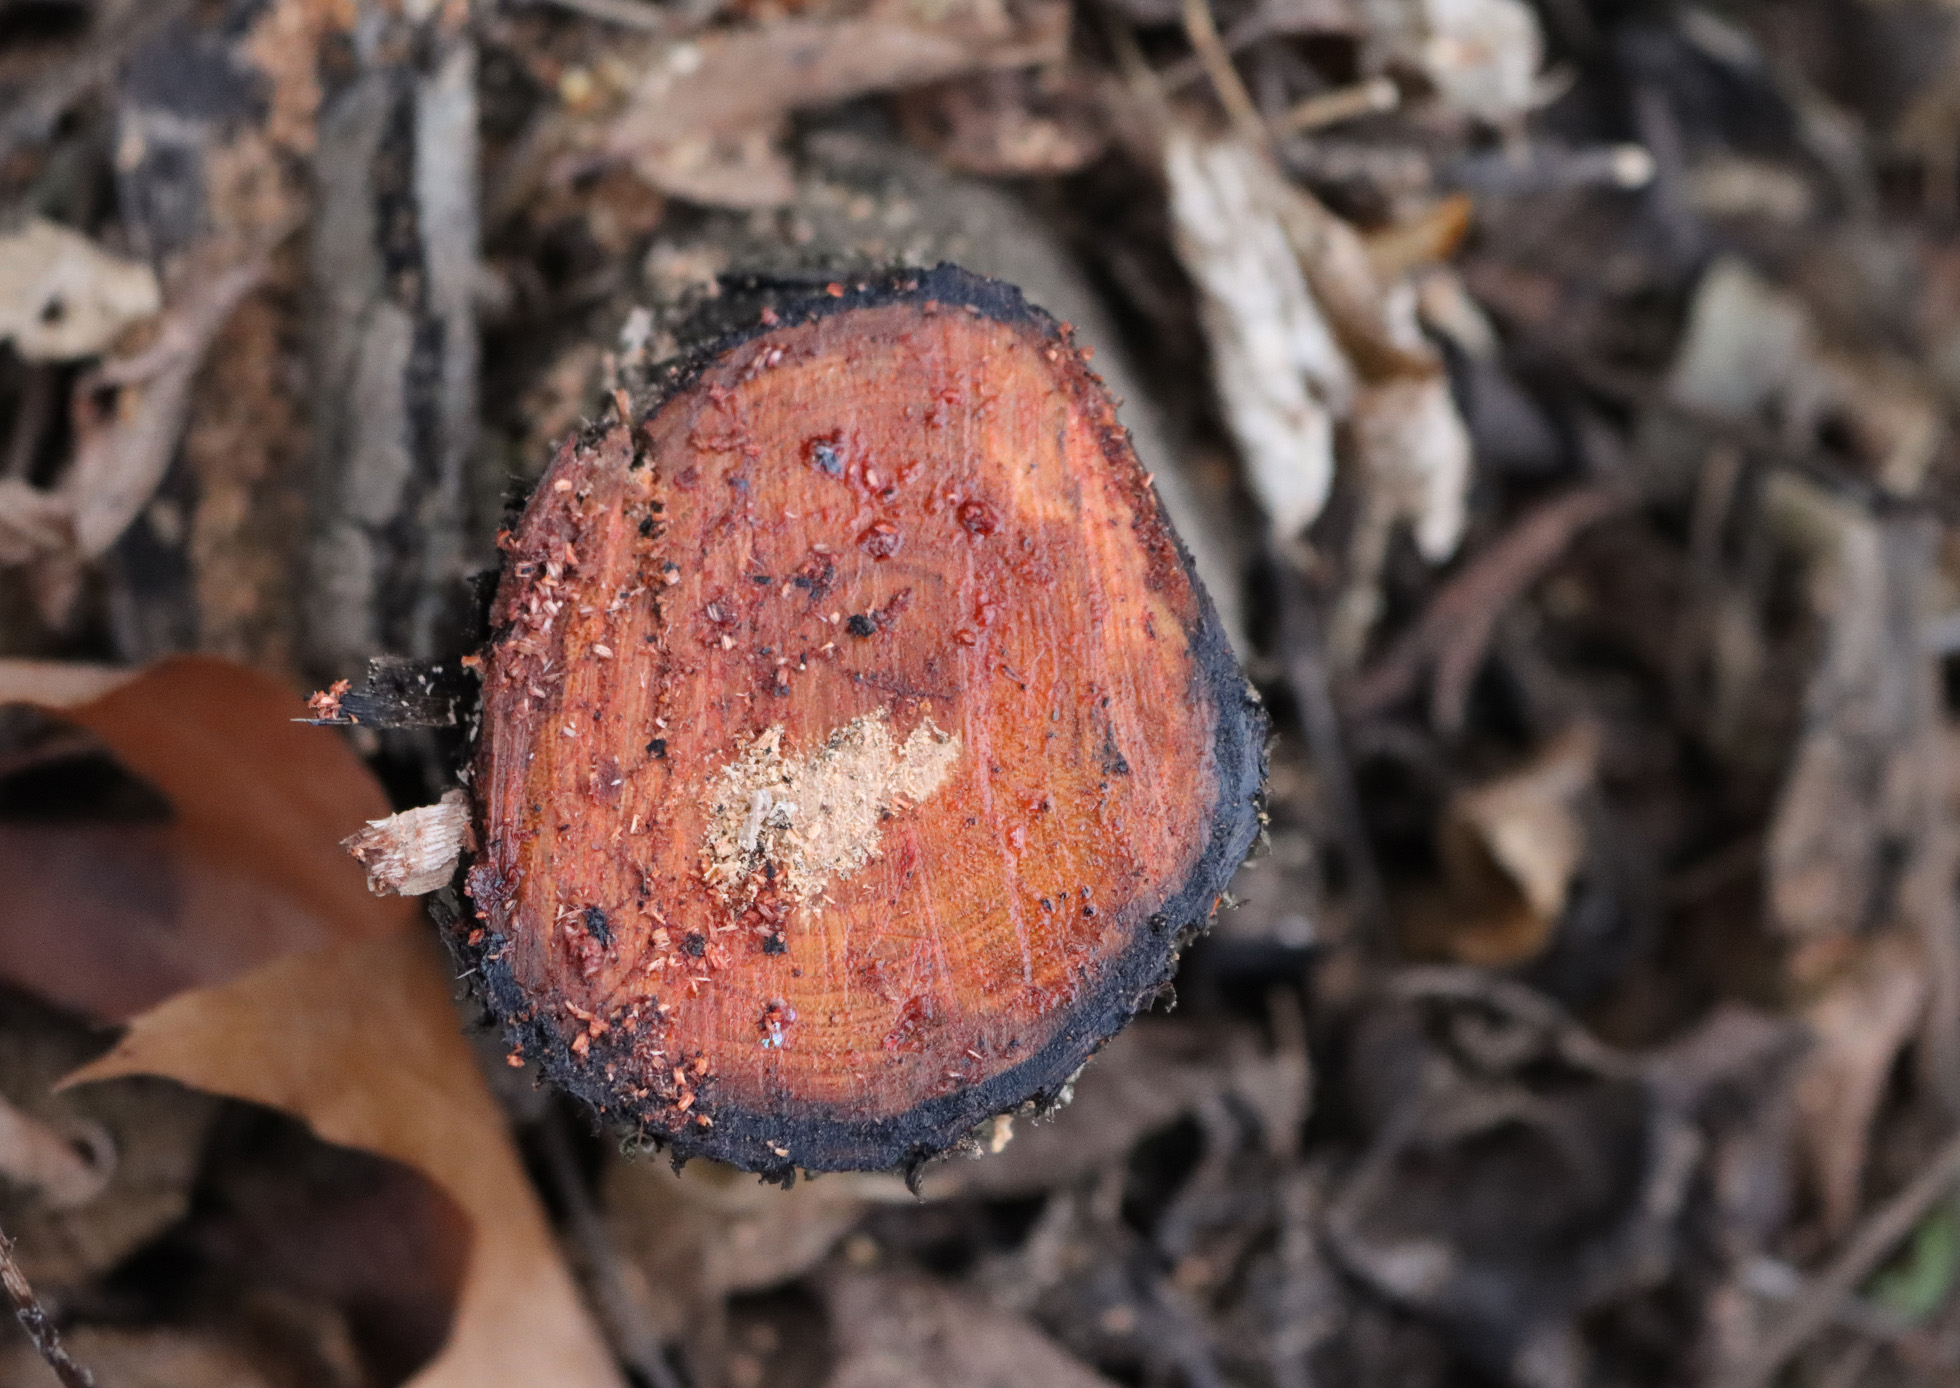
398	692
1134	979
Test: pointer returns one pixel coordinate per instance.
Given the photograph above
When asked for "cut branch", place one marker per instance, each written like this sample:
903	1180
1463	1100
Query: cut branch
857	746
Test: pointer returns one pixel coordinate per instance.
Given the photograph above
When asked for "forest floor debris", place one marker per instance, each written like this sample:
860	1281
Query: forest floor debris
1561	399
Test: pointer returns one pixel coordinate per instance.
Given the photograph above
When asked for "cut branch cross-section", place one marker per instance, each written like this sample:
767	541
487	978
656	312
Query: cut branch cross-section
858	748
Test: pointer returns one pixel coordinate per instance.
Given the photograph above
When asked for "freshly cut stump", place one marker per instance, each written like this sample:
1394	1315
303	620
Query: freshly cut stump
857	746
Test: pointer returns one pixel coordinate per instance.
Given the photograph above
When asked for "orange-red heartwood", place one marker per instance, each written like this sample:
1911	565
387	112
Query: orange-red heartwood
857	744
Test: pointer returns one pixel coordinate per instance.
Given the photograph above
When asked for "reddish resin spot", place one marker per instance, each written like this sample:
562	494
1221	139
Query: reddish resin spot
903	738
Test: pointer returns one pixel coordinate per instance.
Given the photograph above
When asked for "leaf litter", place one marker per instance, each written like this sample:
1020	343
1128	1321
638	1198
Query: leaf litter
1560	397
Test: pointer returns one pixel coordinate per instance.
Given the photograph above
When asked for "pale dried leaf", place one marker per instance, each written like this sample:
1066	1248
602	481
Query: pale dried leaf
694	1236
62	296
361	1042
120	460
67	1169
416	851
1412	446
1745	343
1529	823
1279	372
1851	788
1483	56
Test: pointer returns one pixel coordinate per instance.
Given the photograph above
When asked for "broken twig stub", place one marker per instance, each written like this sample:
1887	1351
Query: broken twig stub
857	745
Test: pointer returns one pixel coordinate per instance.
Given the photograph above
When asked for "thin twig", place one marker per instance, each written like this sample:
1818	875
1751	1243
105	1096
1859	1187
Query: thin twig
1454	631
1817	1305
637	1344
34	1320
1202	31
1322	109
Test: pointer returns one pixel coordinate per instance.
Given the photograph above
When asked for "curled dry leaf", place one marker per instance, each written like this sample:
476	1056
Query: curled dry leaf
62	296
1860	1024
416	851
129	417
691	1238
1304	334
68	1169
1413	447
702	122
1482	56
1412	455
123	453
109	919
270	974
362	1043
1511	849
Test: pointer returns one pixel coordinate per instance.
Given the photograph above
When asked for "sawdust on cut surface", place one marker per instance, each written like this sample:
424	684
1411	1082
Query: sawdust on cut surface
817	817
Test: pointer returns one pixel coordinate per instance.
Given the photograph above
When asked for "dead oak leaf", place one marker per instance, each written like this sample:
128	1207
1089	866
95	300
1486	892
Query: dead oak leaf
360	1042
110	918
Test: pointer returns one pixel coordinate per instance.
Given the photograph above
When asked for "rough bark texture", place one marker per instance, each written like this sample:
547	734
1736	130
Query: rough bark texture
858	746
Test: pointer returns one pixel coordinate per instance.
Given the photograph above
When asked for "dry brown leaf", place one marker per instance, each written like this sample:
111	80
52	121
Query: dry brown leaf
346	1020
1753	352
108	919
701	124
362	1043
898	1330
1860	1025
1511	849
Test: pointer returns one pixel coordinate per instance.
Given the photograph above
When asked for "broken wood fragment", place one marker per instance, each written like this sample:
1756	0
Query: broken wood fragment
857	748
414	852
